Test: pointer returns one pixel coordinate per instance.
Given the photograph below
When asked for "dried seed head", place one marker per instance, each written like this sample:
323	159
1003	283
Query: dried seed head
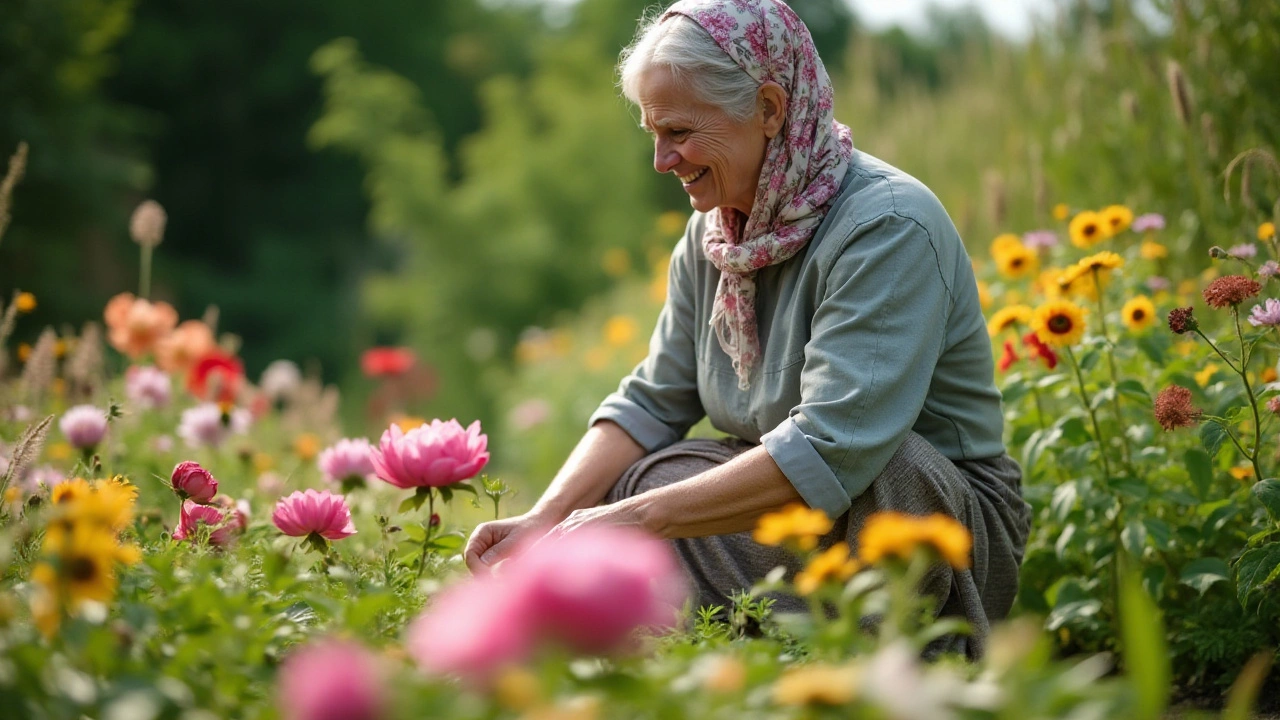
27	449
1173	408
1181	320
147	224
1182	107
84	367
1230	290
17	167
41	366
1210	133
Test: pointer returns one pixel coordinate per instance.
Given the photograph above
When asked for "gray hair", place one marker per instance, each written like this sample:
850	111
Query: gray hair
694	59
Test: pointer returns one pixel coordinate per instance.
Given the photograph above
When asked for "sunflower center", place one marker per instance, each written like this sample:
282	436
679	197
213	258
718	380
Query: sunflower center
1139	314
1016	263
1090	229
1059	324
82	569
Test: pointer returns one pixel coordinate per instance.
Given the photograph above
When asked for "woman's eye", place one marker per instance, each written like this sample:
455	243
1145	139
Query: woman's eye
678	134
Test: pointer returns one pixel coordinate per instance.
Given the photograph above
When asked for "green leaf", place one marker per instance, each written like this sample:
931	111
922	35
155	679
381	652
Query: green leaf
1088	359
1159	531
1064	540
415	533
1134	537
1212	435
1014	390
448	542
1071	612
1153	577
1132	489
1257	567
1200	468
1146	656
463	487
1074	431
1202	573
1064	500
1102	397
1268	493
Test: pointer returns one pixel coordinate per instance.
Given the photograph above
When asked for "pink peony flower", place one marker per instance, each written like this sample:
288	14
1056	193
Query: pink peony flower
239	510
84	426
147	386
331	680
192	482
309	511
349	462
206	426
472	629
434	455
225	529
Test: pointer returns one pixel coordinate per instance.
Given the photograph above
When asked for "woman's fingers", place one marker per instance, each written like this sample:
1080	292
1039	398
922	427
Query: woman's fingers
482	539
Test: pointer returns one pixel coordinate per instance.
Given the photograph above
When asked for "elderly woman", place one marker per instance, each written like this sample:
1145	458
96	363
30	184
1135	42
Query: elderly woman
821	310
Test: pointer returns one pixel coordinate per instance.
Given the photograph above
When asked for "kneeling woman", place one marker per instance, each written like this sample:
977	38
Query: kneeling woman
821	310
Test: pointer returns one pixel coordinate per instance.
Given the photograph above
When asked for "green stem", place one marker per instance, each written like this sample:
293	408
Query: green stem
1084	398
426	537
1115	376
144	275
1248	389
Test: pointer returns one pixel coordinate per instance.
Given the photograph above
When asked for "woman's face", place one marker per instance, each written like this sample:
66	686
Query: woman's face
716	158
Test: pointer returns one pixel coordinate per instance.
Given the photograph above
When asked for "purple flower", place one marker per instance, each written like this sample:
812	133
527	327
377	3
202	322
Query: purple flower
204	425
1266	314
1269	268
44	476
84	426
1149	221
1243	251
146	386
349	462
1156	283
1040	239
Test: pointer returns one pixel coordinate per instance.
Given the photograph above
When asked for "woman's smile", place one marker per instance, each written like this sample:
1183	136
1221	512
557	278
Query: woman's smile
693	177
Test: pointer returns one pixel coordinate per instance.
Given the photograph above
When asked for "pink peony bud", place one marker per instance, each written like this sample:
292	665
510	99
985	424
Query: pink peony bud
434	455
309	511
349	462
84	426
331	680
225	529
146	386
190	481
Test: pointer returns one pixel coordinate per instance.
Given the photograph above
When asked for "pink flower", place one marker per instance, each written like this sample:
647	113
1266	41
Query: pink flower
206	425
434	455
1243	250
146	386
224	528
1269	269
192	482
331	680
529	414
309	511
472	629
349	461
1266	314
270	483
1149	221
1040	239
84	426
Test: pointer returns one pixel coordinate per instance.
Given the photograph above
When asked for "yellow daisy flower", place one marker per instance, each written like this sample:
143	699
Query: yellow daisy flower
1087	229
1076	281
1017	262
1007	316
795	524
1139	314
1267	231
1101	262
1004	243
832	564
1152	250
1117	218
1061	211
69	491
888	534
1059	323
1205	374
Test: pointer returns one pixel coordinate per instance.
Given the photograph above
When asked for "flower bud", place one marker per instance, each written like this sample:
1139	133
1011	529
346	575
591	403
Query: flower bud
192	482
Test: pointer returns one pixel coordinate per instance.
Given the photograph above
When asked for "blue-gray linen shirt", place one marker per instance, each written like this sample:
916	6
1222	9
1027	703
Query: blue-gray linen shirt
871	331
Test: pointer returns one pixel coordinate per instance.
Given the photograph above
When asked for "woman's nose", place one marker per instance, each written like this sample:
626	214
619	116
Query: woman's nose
664	158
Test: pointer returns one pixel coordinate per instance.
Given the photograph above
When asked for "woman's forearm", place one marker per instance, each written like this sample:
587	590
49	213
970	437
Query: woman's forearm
594	466
725	499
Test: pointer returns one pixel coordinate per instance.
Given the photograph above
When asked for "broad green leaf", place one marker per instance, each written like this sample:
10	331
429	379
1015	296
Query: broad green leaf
415	533
1064	540
1064	500
1132	489
1133	389
1268	492
1074	431
1159	531
1211	437
1102	397
1200	468
1202	573
1146	657
448	541
1070	612
1134	537
1088	359
1254	571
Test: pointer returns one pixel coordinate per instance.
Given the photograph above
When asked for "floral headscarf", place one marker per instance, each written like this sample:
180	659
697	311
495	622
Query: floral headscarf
803	166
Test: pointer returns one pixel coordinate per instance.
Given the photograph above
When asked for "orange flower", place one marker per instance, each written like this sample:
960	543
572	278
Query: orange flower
179	351
134	325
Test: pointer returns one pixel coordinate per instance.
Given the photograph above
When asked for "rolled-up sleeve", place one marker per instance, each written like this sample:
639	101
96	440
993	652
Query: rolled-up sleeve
658	402
875	339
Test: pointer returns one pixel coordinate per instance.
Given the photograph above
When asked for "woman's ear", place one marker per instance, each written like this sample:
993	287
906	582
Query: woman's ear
773	108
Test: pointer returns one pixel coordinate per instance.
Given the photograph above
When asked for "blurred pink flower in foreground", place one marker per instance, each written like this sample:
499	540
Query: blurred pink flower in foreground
331	680
434	455
204	425
309	511
84	426
589	591
348	461
193	515
192	482
146	386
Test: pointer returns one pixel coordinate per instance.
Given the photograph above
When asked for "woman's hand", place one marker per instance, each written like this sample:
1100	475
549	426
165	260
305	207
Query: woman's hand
494	541
627	513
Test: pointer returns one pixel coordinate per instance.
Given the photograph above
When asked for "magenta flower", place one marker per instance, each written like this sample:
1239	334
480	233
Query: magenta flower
1266	314
349	461
307	512
331	680
472	629
434	455
1040	239
147	387
84	426
1149	221
224	528
192	482
206	426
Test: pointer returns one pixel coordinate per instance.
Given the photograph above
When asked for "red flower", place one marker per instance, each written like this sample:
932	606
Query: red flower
387	361
1009	357
217	374
1040	350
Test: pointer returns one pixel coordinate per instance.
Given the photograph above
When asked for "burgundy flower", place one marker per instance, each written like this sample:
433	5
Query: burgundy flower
1181	320
1230	290
1174	409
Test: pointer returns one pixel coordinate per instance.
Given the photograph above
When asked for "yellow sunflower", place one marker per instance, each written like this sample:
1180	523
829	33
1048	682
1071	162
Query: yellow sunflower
795	523
1059	323
1076	281
1087	229
832	564
83	568
1017	261
888	534
1004	243
70	490
1007	316
1139	314
1117	218
1152	250
1102	262
1046	283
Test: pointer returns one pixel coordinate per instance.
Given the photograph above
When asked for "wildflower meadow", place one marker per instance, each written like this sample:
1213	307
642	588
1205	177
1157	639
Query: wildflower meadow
195	525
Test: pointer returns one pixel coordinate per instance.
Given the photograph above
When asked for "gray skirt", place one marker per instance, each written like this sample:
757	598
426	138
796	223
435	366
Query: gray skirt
982	494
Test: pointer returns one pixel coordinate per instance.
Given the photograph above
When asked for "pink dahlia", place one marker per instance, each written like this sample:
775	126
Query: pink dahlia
305	512
349	461
223	524
84	426
331	680
434	455
146	386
